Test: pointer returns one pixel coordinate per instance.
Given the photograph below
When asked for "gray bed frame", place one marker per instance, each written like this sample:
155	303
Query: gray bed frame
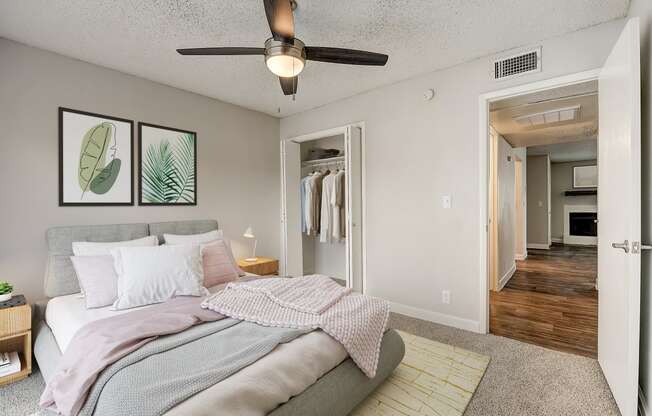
335	394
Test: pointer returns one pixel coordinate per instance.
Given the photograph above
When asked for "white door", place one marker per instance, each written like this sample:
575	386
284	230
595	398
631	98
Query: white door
292	264
619	210
354	209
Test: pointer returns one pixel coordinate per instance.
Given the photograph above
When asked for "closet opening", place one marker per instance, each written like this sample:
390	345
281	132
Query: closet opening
322	205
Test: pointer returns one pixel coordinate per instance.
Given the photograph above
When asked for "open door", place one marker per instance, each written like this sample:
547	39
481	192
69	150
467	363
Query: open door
354	209
619	210
292	264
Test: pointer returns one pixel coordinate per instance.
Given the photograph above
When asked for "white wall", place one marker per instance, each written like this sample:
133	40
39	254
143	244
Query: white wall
643	9
238	156
507	224
538	201
418	151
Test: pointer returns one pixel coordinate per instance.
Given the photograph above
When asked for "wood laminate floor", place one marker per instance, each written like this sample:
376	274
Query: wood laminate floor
551	301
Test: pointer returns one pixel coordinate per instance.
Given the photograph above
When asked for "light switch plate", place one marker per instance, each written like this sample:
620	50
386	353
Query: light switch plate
446	201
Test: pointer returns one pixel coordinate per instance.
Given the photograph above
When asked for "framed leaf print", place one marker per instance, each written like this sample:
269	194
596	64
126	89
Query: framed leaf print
168	166
95	159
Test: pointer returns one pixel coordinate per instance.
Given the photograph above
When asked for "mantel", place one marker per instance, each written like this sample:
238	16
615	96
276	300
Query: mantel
581	192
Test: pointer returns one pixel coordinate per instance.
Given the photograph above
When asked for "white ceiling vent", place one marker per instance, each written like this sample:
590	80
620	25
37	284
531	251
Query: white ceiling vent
515	65
548	117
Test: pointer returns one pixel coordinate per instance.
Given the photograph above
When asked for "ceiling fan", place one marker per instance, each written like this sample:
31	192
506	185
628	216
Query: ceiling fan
286	55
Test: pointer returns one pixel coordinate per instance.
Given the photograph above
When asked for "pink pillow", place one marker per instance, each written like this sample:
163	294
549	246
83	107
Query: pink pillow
218	267
97	279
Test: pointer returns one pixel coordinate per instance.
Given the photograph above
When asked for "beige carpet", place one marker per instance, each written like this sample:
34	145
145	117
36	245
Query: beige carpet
434	379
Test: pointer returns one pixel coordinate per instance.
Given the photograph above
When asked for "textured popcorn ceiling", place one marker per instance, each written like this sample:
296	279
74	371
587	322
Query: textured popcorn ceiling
140	37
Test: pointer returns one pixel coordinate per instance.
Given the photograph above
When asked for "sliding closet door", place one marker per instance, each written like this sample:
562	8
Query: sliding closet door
292	264
354	209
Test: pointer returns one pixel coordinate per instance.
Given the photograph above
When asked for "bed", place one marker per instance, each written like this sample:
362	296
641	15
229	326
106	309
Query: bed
331	385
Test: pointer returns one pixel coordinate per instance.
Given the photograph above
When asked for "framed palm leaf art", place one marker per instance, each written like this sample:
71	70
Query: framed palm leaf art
95	159
168	166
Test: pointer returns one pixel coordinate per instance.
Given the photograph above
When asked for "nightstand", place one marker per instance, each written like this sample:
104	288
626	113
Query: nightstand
16	335
264	266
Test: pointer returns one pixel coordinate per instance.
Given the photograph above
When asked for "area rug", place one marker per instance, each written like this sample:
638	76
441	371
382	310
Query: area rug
434	379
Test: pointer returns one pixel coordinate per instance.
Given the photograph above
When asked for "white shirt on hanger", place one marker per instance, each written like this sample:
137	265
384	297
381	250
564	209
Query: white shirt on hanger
328	190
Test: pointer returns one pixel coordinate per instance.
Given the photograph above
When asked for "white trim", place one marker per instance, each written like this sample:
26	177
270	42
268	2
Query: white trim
436	317
538	246
643	408
483	183
557	240
521	256
345	130
503	280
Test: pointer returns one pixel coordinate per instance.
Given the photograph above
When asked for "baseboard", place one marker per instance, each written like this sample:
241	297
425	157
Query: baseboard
643	408
520	256
503	280
538	246
557	240
436	317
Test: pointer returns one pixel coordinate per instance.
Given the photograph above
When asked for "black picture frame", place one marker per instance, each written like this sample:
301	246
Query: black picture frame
62	203
141	155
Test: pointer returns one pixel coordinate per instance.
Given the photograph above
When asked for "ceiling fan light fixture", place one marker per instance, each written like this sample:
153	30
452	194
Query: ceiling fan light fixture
285	66
285	59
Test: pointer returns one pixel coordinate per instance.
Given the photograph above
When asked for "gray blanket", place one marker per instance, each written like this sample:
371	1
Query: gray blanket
169	370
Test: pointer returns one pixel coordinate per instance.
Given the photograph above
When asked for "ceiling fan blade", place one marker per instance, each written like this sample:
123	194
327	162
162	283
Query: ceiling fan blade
289	85
222	51
280	19
345	56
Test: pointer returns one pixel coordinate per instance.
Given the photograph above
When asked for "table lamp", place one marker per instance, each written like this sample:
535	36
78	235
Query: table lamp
249	233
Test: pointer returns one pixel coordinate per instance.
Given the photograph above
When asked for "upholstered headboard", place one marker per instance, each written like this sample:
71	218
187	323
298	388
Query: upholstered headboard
60	278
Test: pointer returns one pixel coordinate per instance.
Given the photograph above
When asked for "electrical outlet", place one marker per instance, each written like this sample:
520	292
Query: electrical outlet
446	201
446	296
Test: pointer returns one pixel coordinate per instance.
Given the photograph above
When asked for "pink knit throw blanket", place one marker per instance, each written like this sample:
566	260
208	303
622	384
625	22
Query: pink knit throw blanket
356	321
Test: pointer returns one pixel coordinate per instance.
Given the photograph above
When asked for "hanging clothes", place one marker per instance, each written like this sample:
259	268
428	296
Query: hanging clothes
311	207
326	223
304	203
337	201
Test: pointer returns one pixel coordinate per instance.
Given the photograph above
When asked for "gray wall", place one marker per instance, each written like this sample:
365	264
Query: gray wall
643	9
418	151
238	156
562	180
537	199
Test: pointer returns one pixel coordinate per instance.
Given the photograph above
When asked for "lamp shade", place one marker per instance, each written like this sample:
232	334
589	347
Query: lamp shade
249	233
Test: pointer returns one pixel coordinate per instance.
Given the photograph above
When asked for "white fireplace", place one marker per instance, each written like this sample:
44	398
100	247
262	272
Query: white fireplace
580	225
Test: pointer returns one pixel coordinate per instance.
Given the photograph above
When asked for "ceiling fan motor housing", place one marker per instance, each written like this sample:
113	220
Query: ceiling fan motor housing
274	49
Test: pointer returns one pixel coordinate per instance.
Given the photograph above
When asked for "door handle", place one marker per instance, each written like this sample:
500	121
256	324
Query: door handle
624	245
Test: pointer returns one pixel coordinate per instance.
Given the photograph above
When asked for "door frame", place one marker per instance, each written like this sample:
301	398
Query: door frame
483	150
345	130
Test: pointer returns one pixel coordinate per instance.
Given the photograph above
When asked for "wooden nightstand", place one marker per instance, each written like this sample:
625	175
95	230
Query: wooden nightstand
16	335
264	266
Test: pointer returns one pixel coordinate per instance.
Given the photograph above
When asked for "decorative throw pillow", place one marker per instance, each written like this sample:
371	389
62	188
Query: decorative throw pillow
88	248
148	275
217	264
97	278
205	238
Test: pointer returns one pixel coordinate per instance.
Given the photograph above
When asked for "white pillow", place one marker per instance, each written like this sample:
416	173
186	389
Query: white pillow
149	275
87	248
177	239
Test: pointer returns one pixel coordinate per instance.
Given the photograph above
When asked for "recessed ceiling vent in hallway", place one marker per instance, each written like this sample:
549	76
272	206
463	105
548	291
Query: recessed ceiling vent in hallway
523	63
